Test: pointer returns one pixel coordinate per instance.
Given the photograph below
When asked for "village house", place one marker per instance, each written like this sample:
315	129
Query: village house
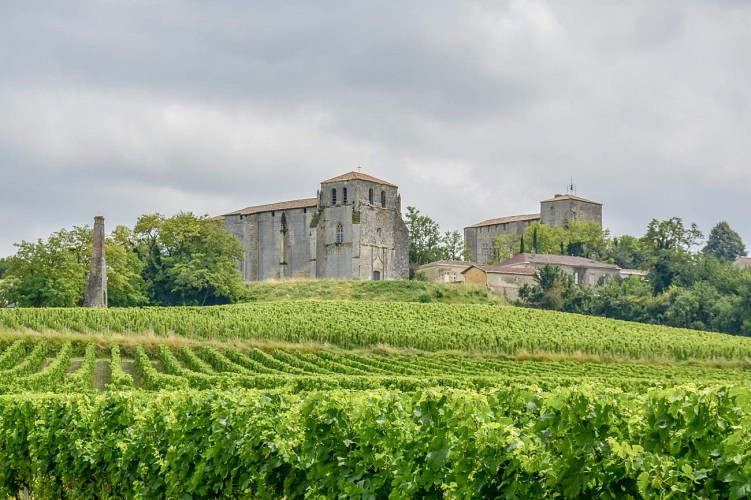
583	271
502	280
445	271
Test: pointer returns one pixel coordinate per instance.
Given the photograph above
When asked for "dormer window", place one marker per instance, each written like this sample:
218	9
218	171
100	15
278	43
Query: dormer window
344	195
333	196
383	199
370	196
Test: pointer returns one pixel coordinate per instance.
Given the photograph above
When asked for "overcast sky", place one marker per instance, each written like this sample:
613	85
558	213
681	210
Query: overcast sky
475	109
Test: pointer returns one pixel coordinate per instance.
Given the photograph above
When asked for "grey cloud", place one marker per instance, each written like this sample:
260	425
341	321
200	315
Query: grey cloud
476	109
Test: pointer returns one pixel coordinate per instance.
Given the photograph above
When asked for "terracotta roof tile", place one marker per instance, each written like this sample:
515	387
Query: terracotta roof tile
284	205
505	220
504	269
357	176
555	260
447	263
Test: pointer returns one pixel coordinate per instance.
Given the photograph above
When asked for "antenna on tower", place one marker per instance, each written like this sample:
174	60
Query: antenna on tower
571	188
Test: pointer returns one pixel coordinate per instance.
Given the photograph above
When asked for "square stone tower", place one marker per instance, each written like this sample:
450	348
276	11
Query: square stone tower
360	233
562	208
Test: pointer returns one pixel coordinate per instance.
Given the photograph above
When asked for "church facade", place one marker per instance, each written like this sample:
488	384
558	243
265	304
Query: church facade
352	229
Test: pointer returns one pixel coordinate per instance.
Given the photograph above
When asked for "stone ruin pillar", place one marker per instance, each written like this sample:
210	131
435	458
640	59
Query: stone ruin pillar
96	289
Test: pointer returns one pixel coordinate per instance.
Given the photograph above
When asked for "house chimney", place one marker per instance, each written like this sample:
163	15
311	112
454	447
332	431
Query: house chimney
96	289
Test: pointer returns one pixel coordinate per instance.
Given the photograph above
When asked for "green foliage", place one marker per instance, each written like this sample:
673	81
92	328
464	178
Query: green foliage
4	264
421	276
453	246
587	239
424	238
671	234
188	259
507	245
119	380
627	252
125	284
429	327
426	244
49	273
545	239
724	243
516	442
378	291
552	290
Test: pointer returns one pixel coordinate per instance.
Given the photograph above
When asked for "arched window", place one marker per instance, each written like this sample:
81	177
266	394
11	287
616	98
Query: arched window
344	195
383	198
333	196
370	196
339	233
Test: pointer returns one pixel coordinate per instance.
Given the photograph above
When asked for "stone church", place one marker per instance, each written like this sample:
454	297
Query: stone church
352	229
557	211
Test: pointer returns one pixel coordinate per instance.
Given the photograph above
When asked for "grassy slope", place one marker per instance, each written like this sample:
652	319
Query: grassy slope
378	291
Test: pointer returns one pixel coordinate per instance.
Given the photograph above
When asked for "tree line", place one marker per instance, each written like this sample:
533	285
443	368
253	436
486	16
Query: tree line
687	285
179	260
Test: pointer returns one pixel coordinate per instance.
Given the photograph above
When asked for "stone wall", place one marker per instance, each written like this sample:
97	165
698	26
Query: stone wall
269	252
480	240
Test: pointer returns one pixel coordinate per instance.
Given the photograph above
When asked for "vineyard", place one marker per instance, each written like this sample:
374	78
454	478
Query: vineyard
32	367
351	399
427	327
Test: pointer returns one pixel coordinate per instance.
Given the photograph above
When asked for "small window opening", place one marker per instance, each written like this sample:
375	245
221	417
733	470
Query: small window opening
333	196
383	198
344	195
339	233
370	196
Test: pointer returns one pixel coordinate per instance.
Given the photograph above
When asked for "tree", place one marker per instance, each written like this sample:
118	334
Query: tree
188	259
671	234
508	245
125	284
587	239
424	238
49	273
553	289
724	243
546	239
627	252
4	263
453	246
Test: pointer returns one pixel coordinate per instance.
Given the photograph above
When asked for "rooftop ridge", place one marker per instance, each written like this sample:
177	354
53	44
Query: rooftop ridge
560	197
282	205
505	220
357	176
